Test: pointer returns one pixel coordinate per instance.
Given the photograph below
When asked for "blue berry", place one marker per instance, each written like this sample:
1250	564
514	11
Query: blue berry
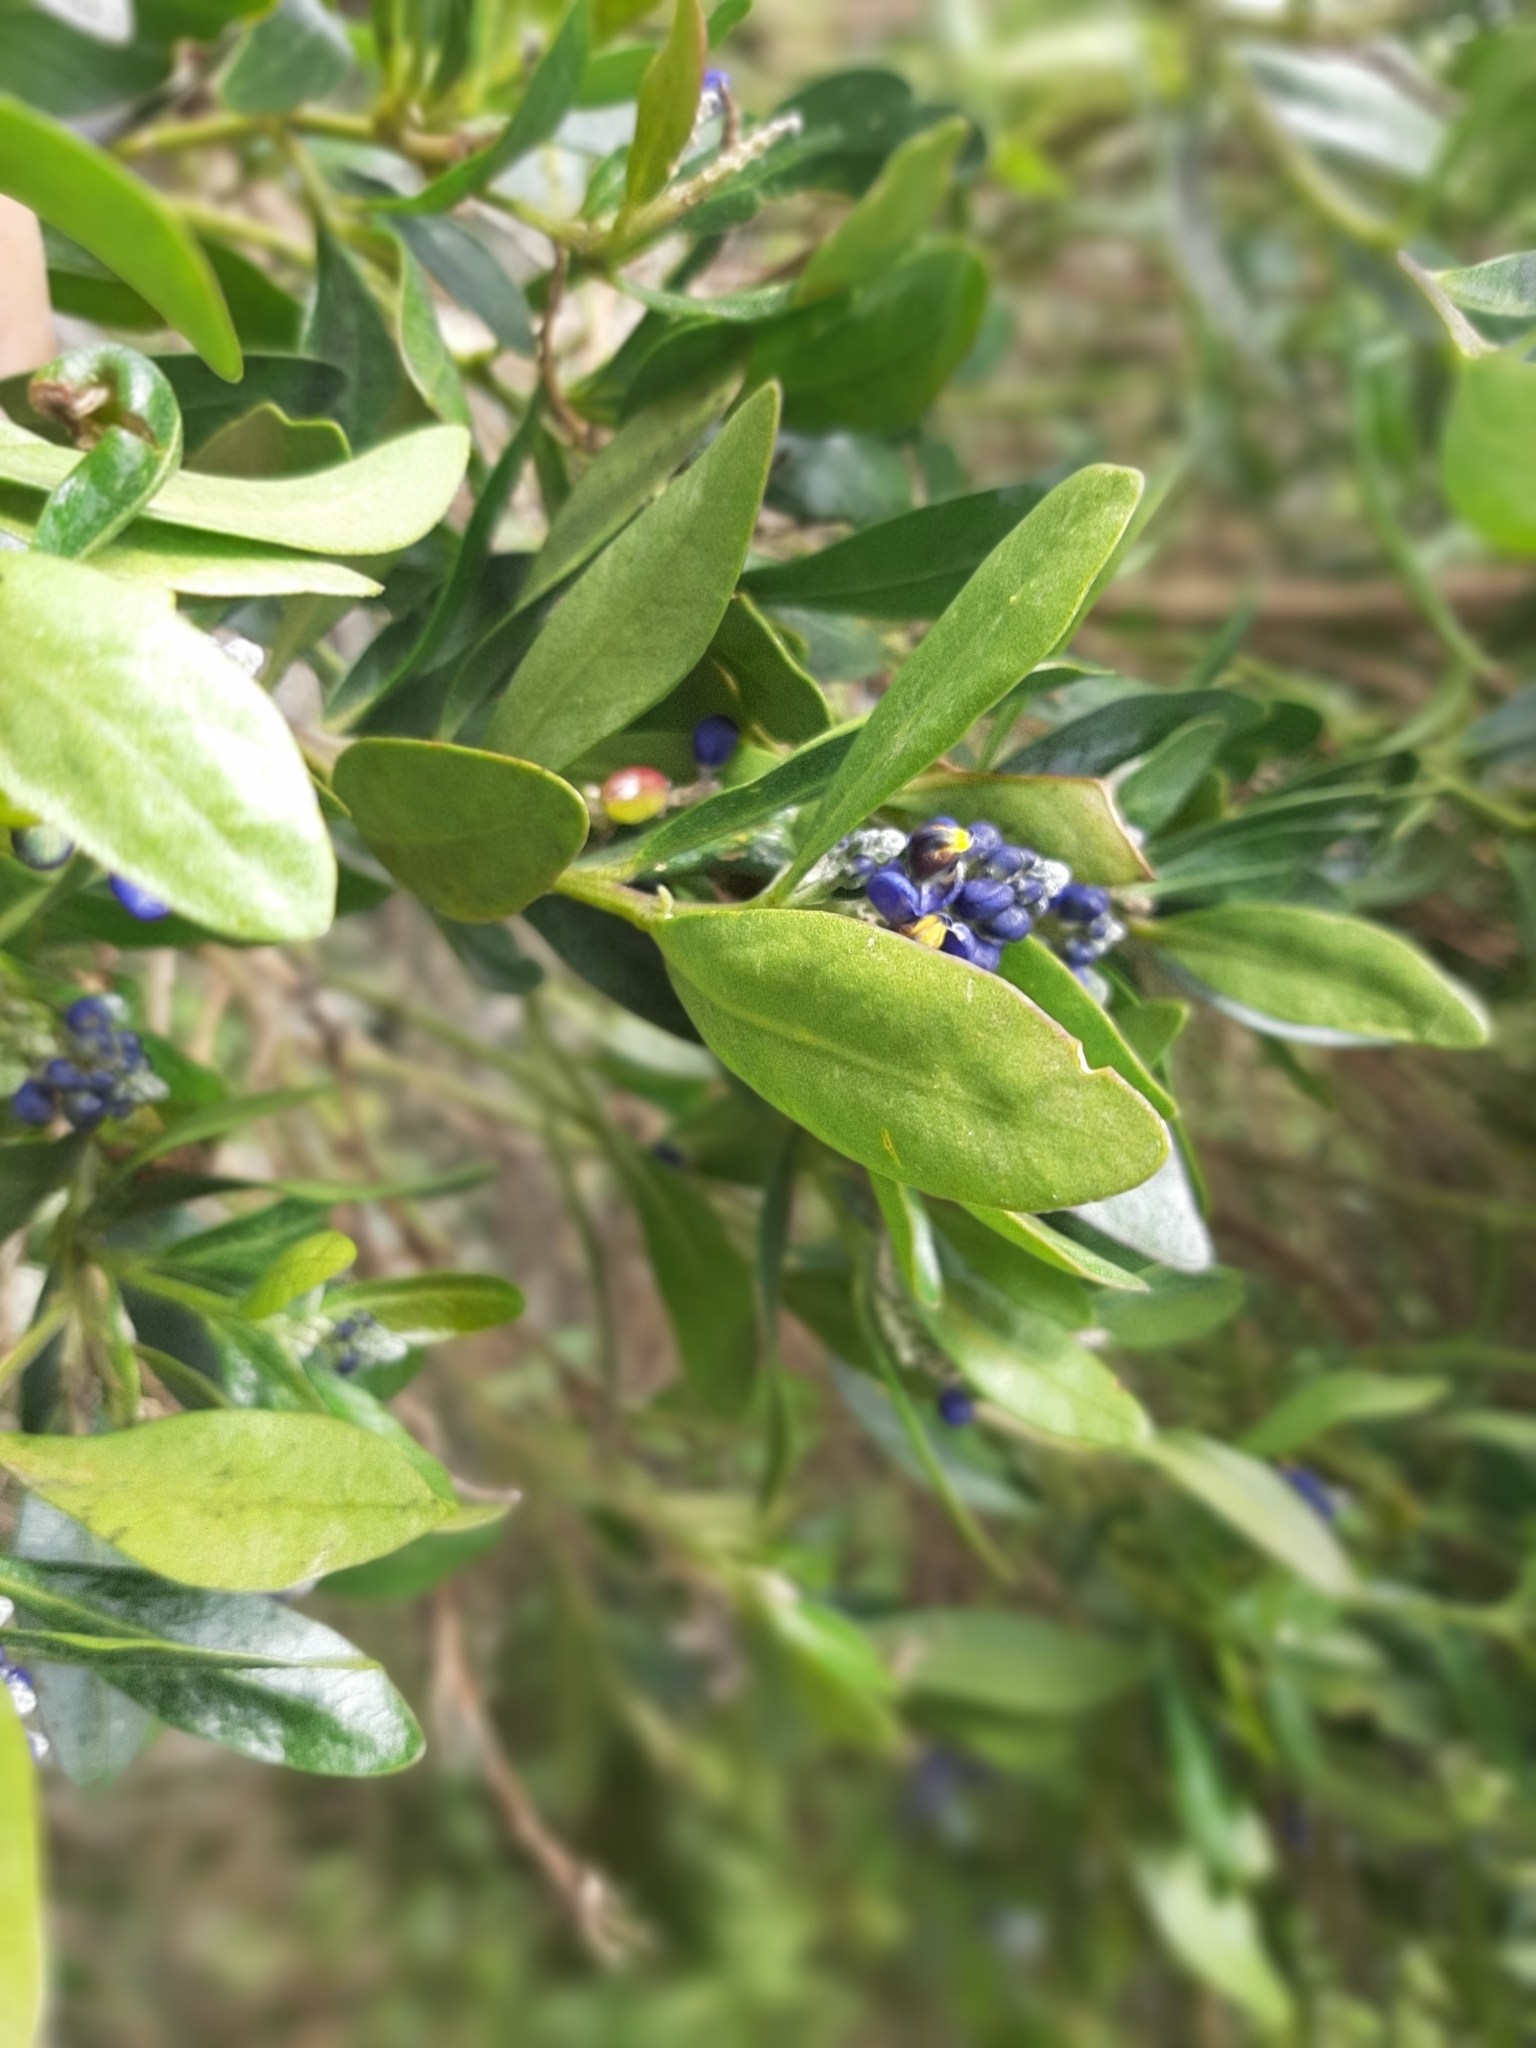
33	1104
935	847
84	1108
41	847
347	1327
130	1050
936	896
137	902
715	740
717	81
985	838
667	1154
1079	953
1006	862
987	956
961	941
1080	903
1311	1489
1008	926
348	1361
955	1406
1028	889
894	896
983	899
63	1074
90	1014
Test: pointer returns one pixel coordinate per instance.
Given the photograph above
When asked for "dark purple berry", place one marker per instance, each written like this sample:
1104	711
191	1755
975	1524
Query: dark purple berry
987	956
1079	953
33	1104
84	1108
1009	926
895	896
63	1074
137	902
982	899
717	81
667	1154
90	1014
130	1050
715	740
935	847
955	1406
1080	903
985	838
961	941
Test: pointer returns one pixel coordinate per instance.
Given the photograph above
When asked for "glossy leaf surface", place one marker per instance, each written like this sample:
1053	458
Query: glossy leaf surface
1315	970
476	836
1019	605
912	1063
131	731
642	615
381	502
250	1674
239	1500
124	223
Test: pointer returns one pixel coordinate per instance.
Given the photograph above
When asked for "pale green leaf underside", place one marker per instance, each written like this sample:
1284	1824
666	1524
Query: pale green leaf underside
1258	1503
131	731
380	502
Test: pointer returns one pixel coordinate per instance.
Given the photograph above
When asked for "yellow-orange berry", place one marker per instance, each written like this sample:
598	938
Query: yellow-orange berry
631	795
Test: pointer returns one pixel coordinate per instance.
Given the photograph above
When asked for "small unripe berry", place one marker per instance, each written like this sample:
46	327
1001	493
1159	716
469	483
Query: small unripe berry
633	795
42	847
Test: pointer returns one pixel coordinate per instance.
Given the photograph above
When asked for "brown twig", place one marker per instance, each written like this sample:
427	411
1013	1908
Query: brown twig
549	375
584	1893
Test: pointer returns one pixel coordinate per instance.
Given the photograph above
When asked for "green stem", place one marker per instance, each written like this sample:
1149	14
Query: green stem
1486	807
583	885
38	1338
220	226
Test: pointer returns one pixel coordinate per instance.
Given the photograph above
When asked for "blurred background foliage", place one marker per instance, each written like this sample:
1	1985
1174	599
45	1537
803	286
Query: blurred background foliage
1191	213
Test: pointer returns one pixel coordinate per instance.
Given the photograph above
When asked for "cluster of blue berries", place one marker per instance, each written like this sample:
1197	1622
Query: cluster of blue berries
18	1683
44	848
963	890
106	1071
360	1339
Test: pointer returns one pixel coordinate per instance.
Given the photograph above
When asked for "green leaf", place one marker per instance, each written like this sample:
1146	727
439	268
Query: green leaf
993	1275
1312	974
876	358
551	92
415	1568
376	505
1075	819
475	836
239	1500
1498	1427
909	567
1154	794
775	693
1161	1219
1176	1308
214	1119
250	1674
30	1170
1151	1029
297	52
428	363
1505	286
732	813
1257	1503
625	477
704	1282
469	272
642	615
1049	982
1214	1934
1485	457
206	565
912	1063
1042	1376
1336	1397
911	1234
265	442
21	1904
346	327
1119	731
133	733
620	962
668	105
123	222
305	1265
841	1677
891	214
429	1308
135	445
1021	603
1012	1663
1063	1253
